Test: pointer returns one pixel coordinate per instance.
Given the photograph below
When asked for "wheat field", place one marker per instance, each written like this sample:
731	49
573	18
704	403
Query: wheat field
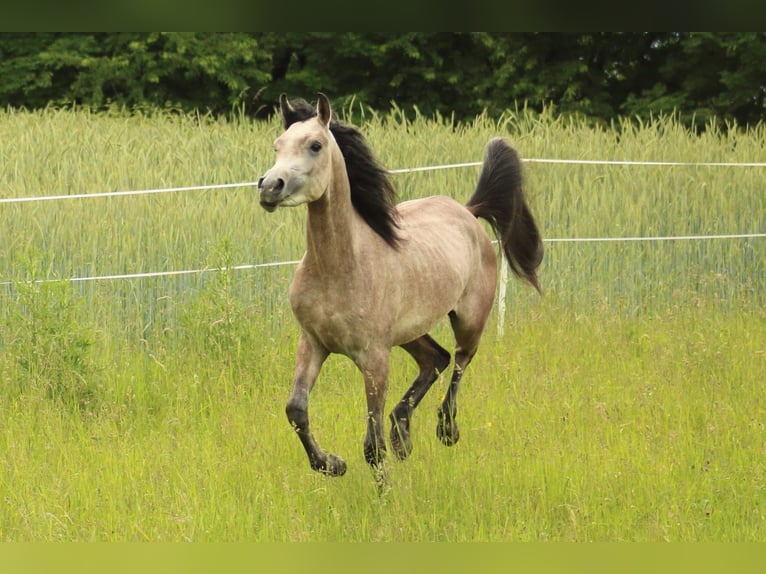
626	404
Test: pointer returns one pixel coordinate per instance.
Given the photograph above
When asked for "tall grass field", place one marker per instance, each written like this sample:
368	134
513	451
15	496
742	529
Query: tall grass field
626	404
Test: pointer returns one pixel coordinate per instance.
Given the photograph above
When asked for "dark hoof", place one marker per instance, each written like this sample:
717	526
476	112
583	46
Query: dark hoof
400	438
447	430
332	466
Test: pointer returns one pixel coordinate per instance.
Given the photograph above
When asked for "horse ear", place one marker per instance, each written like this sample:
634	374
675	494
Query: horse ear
323	109
288	111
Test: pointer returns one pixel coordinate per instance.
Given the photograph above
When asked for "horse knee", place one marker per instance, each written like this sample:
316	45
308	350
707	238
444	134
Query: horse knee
463	358
297	414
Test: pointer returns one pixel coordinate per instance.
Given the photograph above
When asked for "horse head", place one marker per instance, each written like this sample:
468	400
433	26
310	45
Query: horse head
303	169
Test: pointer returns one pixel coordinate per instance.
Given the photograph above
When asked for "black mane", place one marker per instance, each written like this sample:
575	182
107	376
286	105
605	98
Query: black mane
372	194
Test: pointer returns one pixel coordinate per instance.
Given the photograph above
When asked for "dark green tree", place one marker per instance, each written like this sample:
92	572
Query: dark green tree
600	75
205	71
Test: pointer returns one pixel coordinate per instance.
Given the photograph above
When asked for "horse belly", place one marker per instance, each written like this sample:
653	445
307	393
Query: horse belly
443	260
431	291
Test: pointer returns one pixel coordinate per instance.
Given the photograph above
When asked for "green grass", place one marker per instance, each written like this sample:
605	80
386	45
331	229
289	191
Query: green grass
626	404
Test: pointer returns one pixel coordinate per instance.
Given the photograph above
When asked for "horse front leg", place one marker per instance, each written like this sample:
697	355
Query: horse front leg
311	356
374	368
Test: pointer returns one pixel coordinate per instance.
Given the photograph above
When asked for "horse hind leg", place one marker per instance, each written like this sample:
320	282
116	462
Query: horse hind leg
432	359
467	336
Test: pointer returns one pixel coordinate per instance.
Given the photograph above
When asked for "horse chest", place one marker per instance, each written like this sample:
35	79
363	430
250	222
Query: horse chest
333	316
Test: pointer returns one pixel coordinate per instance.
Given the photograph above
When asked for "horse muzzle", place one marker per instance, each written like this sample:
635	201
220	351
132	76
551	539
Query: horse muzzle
272	192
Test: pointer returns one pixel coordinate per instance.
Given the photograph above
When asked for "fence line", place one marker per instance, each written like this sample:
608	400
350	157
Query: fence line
589	162
393	171
656	238
649	163
125	193
151	274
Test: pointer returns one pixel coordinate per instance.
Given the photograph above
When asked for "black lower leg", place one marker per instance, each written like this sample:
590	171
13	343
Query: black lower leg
467	335
447	429
432	360
297	414
374	443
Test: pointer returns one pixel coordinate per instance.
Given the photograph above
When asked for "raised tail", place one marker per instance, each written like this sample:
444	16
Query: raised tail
499	199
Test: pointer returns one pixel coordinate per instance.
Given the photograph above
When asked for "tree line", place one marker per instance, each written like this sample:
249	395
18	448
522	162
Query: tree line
599	75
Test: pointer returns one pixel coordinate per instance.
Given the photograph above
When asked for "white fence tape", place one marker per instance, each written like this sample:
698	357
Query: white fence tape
393	171
657	238
124	193
151	274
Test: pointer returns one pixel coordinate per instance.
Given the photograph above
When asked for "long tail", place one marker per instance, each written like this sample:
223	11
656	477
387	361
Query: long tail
499	199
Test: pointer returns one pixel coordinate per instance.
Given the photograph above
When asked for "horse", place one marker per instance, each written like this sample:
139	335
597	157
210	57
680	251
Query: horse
378	274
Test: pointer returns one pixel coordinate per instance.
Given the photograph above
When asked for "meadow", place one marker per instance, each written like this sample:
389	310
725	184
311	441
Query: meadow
626	404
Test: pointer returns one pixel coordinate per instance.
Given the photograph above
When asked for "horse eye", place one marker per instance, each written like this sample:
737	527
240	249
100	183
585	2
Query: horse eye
316	146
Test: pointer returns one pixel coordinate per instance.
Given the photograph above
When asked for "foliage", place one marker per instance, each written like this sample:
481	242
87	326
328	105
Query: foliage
50	345
215	320
600	75
174	69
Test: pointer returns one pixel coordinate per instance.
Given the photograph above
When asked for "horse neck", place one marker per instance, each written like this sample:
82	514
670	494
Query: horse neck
331	228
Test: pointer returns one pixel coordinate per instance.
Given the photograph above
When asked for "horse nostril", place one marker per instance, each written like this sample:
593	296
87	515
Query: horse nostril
271	185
